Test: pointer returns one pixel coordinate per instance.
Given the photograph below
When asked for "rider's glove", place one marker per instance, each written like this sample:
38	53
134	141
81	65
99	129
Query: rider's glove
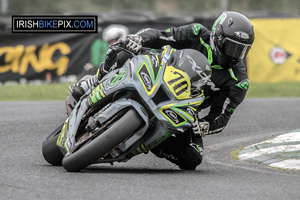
134	42
200	128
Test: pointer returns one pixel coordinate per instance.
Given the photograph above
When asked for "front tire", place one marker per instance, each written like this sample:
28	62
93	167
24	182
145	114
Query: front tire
104	143
50	150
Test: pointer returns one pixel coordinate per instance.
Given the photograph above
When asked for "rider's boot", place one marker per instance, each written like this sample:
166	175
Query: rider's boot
185	150
87	82
82	86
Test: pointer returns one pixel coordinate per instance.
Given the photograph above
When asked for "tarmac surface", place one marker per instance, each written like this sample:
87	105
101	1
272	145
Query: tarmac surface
24	174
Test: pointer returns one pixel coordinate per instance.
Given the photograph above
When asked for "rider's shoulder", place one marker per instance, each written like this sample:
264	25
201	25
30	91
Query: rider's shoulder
240	70
196	28
241	65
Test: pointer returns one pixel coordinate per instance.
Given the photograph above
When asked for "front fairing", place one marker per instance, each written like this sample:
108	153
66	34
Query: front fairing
166	90
66	139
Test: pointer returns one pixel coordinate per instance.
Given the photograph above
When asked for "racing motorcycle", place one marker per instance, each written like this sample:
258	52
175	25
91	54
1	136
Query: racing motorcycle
132	110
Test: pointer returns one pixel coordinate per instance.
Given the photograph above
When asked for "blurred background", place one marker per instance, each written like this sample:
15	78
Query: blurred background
25	58
155	6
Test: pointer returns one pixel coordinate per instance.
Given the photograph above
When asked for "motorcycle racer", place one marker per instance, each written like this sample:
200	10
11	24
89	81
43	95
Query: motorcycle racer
226	47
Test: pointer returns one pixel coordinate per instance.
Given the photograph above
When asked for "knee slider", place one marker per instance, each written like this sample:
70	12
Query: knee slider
191	157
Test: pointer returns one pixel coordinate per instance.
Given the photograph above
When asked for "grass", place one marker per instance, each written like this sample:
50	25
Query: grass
34	92
235	153
283	89
59	91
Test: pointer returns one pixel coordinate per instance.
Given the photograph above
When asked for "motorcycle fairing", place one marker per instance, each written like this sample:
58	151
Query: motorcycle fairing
179	114
110	81
62	138
130	77
66	139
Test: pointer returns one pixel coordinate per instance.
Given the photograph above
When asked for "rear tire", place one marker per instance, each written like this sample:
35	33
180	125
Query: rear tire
50	150
104	143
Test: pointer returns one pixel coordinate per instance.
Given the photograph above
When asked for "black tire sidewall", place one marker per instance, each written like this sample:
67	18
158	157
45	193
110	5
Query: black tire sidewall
50	150
104	143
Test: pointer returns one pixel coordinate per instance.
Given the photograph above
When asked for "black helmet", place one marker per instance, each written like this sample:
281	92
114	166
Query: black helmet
231	38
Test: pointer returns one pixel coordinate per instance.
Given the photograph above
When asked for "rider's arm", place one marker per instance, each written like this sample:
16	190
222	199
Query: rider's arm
178	37
223	107
115	58
232	93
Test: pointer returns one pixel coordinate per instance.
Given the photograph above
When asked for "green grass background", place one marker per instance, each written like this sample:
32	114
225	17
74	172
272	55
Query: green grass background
34	92
59	91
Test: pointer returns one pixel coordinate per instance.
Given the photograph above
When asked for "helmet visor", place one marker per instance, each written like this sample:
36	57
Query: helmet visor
235	50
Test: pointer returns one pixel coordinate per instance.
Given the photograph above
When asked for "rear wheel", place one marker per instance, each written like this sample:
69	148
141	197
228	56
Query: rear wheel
50	150
118	132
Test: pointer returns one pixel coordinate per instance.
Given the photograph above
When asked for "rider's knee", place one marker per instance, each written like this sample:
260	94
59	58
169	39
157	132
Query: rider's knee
191	157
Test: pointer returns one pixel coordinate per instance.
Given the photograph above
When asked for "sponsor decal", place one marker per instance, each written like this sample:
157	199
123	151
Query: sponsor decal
196	29
154	62
17	59
278	55
244	84
190	111
173	116
195	67
241	35
220	20
212	86
166	57
117	78
145	78
198	69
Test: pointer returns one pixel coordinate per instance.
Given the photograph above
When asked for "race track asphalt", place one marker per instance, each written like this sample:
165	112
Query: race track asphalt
24	174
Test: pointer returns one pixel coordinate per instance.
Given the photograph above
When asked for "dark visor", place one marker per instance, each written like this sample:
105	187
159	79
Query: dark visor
235	49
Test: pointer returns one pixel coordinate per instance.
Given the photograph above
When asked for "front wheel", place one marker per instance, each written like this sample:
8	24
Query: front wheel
50	150
118	132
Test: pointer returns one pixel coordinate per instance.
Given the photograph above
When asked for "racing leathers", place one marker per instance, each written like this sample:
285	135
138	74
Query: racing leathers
228	85
224	92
